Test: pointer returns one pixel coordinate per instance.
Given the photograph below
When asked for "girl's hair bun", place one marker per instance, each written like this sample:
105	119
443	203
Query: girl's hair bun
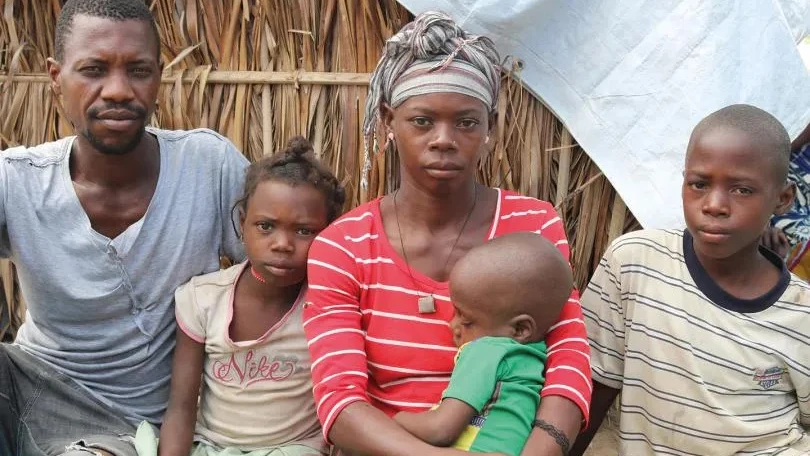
298	147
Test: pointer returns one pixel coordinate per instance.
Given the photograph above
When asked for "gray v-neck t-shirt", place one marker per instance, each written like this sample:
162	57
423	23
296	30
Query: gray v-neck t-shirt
101	310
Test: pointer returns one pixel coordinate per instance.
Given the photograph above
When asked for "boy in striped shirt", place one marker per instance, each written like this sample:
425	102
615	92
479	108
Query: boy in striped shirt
502	313
704	332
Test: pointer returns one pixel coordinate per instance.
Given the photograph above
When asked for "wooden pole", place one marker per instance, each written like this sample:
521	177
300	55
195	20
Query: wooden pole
618	218
267	104
564	167
236	77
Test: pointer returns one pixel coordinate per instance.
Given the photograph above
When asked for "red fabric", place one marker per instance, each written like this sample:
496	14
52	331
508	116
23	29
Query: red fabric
368	341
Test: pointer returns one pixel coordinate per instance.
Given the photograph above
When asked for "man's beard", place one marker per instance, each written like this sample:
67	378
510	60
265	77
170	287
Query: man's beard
93	114
108	149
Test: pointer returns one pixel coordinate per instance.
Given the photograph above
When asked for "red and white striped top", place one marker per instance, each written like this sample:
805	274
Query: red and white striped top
367	339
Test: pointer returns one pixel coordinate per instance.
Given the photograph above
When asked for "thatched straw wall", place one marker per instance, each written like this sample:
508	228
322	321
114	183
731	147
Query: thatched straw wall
261	71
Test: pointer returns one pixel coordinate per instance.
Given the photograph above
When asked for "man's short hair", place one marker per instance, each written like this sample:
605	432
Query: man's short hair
116	10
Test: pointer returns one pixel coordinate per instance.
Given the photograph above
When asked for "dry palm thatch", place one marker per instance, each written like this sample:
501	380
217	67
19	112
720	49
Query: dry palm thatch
262	71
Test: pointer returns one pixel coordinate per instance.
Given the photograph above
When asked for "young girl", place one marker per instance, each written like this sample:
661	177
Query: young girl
240	330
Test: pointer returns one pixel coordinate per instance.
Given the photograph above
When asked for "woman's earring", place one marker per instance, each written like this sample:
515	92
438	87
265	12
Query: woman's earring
389	142
486	140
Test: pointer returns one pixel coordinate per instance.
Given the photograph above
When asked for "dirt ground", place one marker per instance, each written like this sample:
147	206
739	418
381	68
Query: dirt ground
606	440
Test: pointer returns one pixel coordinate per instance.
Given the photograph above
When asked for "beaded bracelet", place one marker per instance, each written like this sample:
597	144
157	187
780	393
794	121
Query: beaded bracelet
559	436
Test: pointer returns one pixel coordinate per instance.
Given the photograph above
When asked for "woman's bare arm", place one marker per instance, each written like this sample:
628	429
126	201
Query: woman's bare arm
440	426
561	413
362	430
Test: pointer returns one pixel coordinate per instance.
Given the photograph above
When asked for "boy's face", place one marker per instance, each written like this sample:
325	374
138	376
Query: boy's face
730	190
471	321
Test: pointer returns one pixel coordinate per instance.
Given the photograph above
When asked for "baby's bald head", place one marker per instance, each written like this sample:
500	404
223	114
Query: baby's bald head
513	275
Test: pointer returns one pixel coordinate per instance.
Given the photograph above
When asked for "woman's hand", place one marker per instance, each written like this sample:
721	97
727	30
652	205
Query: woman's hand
434	452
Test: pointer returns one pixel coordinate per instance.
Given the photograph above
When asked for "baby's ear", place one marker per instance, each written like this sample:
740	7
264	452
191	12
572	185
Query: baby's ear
523	328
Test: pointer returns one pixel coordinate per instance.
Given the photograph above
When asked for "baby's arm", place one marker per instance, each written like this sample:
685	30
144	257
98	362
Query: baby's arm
471	385
440	426
177	431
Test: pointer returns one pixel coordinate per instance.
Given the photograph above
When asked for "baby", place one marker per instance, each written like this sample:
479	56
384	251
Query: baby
506	294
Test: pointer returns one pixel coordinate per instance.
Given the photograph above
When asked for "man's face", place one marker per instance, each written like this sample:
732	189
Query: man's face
108	81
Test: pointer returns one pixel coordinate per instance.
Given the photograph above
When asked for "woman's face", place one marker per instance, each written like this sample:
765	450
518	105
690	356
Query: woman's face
440	137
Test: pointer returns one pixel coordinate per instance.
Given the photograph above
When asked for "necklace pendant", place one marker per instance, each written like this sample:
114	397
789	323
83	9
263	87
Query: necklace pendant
427	304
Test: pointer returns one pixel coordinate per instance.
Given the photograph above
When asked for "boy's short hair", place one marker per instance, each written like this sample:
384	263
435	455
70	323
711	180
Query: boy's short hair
759	125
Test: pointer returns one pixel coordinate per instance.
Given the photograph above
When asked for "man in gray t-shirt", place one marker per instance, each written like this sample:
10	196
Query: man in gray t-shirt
103	227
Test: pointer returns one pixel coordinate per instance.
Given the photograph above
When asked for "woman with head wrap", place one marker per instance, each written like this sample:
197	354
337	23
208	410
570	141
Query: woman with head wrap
378	312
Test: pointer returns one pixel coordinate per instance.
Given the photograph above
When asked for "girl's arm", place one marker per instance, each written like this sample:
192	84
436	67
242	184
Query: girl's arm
177	431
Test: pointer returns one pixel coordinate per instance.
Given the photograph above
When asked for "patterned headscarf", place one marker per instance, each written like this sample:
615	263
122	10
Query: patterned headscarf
469	64
436	76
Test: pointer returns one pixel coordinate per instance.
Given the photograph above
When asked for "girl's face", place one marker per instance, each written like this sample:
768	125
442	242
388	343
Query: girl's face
280	224
440	138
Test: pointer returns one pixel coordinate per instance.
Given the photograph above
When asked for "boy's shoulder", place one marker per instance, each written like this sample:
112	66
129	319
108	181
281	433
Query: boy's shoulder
796	296
636	245
658	236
